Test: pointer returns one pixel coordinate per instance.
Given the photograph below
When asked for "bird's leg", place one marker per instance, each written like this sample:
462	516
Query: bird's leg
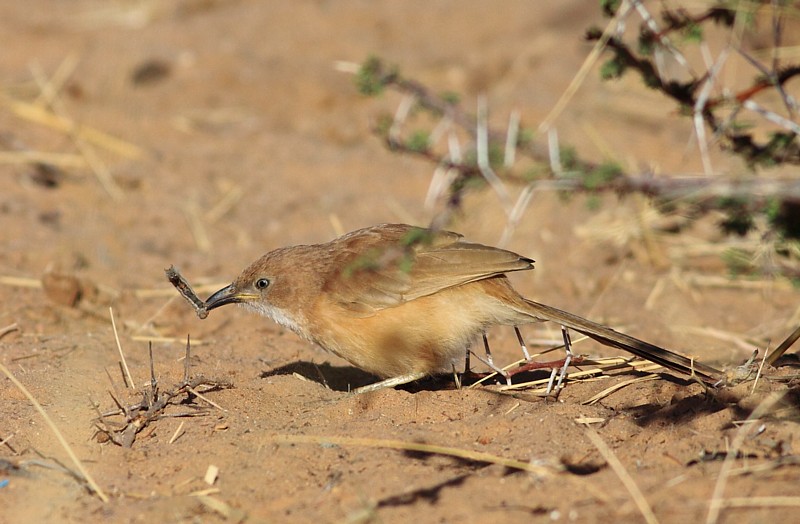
522	344
488	351
553	372
555	365
391	382
567	359
456	377
490	362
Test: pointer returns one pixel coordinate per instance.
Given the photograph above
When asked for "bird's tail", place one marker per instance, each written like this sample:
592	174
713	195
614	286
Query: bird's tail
607	336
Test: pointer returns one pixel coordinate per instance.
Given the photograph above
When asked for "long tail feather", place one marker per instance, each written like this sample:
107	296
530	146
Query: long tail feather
609	337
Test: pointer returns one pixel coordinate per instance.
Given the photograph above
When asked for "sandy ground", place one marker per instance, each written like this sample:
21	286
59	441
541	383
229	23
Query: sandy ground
235	134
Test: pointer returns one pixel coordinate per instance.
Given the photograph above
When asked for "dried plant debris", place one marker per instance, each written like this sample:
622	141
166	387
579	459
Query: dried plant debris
186	291
154	404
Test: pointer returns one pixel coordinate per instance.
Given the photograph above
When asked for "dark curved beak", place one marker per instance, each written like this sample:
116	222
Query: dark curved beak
226	295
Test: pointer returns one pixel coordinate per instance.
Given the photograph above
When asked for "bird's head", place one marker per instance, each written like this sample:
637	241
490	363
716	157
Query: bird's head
275	286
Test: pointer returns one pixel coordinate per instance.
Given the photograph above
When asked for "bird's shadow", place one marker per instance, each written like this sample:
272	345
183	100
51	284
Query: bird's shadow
348	378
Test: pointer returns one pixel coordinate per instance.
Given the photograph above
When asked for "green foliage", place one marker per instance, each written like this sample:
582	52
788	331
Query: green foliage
496	156
647	42
569	158
369	261
593	202
693	33
371	77
772	210
780	148
610	7
738	262
451	97
525	136
417	236
473	182
723	15
537	172
738	216
780	143
626	52
688	28
785	217
593	33
612	69
419	141
602	175
384	124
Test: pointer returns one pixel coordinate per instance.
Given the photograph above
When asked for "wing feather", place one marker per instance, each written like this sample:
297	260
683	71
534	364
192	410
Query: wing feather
388	267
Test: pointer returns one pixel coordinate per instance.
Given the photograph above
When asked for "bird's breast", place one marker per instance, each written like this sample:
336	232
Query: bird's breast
422	335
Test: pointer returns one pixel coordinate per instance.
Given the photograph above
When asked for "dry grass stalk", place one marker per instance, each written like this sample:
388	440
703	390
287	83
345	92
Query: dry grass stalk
223	508
64	444
59	78
100	170
521	362
616	387
717	502
466	454
738	340
178	433
482	147
225	204
700	106
783	346
590	420
8	280
97	166
586	67
8	329
148	338
624	476
196	226
204	492
603	367
759	372
5	441
128	378
199	395
62	160
761	502
727	283
539	387
39	115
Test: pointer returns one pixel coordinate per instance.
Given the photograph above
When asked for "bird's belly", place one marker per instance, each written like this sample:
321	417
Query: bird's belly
423	335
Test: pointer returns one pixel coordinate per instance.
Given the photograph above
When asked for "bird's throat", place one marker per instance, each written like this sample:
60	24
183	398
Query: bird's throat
293	321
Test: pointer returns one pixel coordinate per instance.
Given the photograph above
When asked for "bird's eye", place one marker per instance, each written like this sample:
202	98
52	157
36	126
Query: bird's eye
262	283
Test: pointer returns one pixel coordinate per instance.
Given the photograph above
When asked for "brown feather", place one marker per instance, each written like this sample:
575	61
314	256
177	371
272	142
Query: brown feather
396	299
409	263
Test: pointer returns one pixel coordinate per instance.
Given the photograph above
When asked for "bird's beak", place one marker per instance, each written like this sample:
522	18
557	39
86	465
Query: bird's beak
226	295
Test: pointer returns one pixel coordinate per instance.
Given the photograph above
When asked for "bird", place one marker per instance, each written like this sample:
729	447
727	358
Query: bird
402	302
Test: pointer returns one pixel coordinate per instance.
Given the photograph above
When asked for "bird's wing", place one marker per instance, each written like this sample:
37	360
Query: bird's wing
404	263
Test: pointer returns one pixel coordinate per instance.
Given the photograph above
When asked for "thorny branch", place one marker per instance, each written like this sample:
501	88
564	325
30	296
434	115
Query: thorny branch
740	198
153	405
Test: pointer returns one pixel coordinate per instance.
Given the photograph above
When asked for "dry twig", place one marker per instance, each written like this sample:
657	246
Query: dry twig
154	403
624	476
186	291
84	474
476	456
